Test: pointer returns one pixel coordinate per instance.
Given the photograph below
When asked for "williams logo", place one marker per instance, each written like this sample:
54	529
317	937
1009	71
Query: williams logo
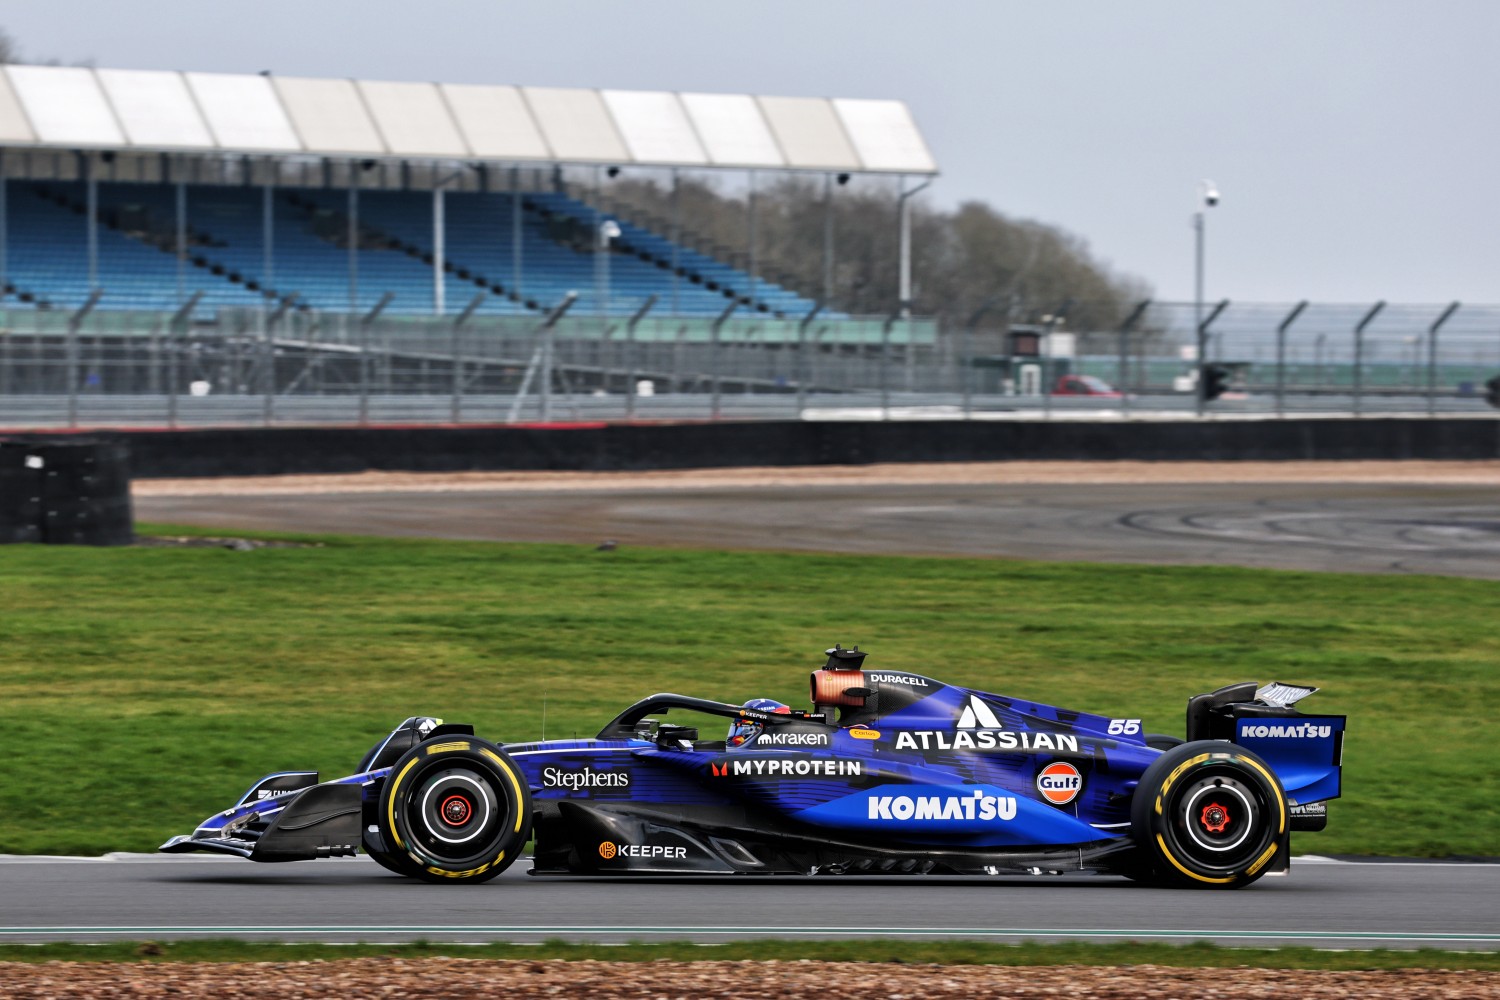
804	768
1059	782
1303	731
778	739
980	806
585	777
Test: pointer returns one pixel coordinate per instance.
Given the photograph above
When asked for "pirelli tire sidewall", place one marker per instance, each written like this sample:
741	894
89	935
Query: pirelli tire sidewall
454	810
1210	815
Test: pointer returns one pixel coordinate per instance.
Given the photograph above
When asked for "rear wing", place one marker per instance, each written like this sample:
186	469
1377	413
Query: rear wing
1305	751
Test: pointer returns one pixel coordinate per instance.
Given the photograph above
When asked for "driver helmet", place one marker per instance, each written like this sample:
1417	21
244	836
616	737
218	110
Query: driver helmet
744	730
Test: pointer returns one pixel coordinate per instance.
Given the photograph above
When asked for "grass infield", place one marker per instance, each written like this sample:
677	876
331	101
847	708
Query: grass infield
144	688
905	952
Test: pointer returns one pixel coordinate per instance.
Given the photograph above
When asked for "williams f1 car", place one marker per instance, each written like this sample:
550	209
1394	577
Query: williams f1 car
889	773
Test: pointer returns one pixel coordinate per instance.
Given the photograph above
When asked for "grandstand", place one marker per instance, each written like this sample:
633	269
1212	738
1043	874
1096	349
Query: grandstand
146	191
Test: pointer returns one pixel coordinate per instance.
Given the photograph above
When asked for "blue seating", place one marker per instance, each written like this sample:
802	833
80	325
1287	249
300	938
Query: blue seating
138	269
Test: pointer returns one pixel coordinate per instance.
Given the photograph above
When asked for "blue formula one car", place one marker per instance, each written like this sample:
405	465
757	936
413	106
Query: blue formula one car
890	773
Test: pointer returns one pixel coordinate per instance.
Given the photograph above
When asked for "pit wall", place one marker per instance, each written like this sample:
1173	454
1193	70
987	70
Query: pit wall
620	447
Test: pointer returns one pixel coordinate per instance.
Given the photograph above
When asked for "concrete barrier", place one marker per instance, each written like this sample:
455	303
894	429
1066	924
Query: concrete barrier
615	447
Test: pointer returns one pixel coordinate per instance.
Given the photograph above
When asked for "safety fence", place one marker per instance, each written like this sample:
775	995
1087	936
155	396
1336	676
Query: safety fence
96	368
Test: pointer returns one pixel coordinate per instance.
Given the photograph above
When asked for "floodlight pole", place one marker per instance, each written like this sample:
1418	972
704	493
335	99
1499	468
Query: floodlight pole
631	372
803	368
1359	354
1281	330
1432	334
1208	196
903	294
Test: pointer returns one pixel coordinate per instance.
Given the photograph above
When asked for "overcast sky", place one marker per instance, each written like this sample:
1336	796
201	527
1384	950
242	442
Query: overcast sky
1356	142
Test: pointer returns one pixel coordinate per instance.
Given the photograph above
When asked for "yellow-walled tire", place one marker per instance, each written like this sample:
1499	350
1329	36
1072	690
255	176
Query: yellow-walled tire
1209	815
454	810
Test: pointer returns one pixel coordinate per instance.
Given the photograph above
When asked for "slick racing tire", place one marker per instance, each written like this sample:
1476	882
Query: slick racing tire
1209	815
453	810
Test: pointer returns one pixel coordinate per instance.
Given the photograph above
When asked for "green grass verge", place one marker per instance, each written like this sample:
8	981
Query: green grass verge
908	952
145	688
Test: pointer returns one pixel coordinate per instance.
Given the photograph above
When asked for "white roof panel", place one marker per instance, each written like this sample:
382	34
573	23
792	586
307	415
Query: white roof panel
809	133
413	119
576	124
65	105
13	124
496	122
733	130
243	112
884	136
655	127
155	108
329	115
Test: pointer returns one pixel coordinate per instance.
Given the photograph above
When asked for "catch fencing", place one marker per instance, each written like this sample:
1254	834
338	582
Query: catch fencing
102	369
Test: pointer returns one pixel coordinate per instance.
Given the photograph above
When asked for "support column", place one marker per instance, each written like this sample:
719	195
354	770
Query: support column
750	231
438	250
827	238
93	221
676	237
353	237
180	221
517	270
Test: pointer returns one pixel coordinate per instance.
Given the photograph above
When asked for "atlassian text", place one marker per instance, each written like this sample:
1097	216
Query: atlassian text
986	739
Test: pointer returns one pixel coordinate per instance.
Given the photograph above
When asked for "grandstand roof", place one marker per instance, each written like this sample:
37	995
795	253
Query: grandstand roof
159	111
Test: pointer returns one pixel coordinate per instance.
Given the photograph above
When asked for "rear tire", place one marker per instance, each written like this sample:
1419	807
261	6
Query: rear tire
1209	815
453	811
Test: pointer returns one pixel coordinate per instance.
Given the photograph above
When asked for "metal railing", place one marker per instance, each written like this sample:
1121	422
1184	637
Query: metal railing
99	368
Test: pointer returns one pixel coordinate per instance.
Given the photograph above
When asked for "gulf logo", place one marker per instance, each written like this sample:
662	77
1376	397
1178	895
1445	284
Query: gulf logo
1059	782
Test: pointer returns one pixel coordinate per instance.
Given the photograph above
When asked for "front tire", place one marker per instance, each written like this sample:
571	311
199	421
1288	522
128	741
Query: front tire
1209	815
454	811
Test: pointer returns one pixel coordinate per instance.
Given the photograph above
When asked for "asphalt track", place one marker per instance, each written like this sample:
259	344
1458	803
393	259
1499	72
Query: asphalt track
1324	904
1448	529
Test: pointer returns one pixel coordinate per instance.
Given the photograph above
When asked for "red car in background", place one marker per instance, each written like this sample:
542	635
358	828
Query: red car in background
1084	385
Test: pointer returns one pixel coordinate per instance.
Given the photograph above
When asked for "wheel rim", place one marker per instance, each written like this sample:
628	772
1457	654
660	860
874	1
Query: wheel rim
1218	819
454	815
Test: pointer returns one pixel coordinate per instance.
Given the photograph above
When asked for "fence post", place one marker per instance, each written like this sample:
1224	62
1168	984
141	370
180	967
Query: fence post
1432	333
365	322
631	367
803	368
455	405
75	321
1123	374
1359	354
714	358
1281	330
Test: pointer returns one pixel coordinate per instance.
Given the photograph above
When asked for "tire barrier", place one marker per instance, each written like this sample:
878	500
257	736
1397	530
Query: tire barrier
631	447
65	490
